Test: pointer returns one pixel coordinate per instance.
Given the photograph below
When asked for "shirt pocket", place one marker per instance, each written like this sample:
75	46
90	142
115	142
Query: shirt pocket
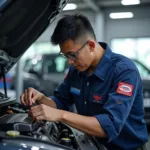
98	98
75	91
96	103
76	94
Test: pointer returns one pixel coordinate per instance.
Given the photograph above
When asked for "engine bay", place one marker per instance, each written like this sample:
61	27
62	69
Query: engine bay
23	131
14	117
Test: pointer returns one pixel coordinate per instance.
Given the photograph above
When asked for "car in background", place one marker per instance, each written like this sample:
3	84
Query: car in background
43	72
145	75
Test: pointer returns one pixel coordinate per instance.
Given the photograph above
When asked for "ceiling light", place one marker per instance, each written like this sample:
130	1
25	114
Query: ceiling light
121	15
130	2
70	6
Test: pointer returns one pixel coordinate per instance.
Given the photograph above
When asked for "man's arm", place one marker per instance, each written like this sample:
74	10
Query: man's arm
89	125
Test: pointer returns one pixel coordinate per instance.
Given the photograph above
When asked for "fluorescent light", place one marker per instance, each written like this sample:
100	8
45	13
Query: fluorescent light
130	2
121	15
70	6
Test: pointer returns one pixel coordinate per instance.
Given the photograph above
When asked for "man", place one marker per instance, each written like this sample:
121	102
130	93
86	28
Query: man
105	87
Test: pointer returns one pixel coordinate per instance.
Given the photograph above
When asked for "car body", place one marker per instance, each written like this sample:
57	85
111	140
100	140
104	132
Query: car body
43	72
145	75
21	23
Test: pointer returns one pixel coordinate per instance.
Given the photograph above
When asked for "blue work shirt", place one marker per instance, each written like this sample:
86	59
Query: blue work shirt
113	94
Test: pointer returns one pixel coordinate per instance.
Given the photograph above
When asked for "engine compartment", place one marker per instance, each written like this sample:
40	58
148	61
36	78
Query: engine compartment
15	117
42	130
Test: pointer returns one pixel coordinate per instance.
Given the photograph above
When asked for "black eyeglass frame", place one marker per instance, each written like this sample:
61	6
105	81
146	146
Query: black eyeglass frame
74	55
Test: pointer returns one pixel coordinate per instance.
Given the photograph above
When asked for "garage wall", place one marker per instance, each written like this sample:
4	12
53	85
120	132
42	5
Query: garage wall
139	26
118	28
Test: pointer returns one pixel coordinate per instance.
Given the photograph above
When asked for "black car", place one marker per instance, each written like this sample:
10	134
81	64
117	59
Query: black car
43	72
21	23
145	74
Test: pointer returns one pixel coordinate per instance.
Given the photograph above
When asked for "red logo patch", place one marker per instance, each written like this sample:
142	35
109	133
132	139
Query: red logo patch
125	88
97	97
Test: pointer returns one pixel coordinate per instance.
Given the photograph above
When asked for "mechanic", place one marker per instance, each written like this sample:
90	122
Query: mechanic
105	87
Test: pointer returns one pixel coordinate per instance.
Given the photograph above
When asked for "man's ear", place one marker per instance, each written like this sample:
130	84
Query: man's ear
92	45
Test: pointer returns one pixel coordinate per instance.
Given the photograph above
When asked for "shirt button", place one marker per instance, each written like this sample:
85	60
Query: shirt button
87	83
85	102
119	102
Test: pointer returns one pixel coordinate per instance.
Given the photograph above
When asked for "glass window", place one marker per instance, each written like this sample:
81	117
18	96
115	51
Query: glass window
144	72
137	49
55	64
60	64
38	67
28	65
33	65
41	48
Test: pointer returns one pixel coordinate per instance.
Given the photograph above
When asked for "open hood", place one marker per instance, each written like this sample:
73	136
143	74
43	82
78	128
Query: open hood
21	23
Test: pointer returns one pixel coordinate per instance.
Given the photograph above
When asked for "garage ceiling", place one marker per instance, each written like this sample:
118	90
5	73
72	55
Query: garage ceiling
96	5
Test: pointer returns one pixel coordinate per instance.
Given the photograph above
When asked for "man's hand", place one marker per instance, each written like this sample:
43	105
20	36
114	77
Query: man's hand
44	112
87	124
30	95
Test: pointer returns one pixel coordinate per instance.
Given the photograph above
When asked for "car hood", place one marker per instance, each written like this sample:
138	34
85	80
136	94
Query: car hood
21	23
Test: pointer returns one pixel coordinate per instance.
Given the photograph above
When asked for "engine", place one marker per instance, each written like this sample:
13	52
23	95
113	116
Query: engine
16	118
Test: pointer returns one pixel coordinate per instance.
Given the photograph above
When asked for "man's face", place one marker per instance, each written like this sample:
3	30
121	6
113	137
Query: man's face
78	54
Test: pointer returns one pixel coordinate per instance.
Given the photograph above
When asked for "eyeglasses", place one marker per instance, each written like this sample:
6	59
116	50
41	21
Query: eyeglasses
74	55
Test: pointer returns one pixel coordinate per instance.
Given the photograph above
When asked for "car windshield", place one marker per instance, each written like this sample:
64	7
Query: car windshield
47	64
144	71
55	64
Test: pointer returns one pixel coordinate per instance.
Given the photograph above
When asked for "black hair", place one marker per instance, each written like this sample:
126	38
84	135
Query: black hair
72	27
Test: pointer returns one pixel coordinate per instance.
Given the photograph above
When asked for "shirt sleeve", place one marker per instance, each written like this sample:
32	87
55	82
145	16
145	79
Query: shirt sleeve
62	96
121	97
